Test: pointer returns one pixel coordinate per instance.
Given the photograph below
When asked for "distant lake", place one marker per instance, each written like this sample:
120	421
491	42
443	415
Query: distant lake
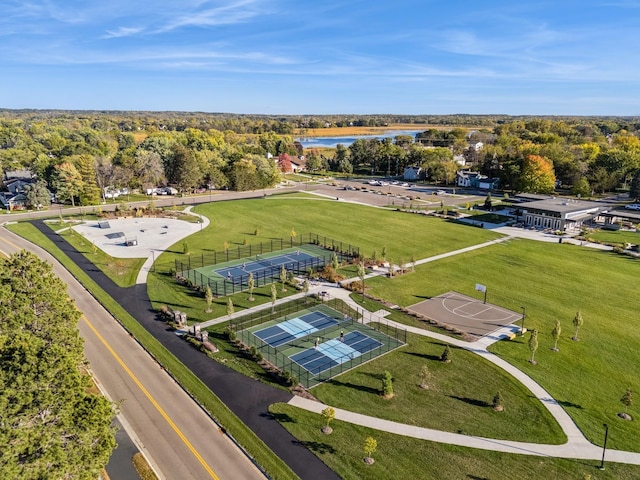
332	142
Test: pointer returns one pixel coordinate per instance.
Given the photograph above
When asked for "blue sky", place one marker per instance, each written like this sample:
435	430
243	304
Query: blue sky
303	57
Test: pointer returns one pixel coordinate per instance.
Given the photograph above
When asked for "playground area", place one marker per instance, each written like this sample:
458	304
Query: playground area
467	314
135	237
315	342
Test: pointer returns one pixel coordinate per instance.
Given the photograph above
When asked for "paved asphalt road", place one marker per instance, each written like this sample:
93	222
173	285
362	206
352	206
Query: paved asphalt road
178	437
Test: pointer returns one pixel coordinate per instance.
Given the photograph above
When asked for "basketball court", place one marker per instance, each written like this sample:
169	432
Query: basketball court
466	314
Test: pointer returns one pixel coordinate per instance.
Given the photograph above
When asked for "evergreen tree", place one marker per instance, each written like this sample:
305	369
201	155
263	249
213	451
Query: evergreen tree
444	358
51	426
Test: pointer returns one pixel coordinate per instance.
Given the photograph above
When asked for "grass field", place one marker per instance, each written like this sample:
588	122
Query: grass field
458	399
192	384
400	457
618	237
372	229
553	282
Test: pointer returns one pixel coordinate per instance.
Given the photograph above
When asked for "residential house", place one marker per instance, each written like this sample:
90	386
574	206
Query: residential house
412	173
467	178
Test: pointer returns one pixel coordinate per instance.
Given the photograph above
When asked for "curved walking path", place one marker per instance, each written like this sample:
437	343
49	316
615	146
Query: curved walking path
577	446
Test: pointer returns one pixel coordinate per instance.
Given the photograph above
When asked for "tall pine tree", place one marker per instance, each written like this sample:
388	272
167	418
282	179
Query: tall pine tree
51	425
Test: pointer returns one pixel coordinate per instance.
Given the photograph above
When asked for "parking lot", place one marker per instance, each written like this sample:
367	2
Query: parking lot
388	195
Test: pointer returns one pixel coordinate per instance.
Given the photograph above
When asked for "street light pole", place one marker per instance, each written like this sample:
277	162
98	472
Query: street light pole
524	314
604	447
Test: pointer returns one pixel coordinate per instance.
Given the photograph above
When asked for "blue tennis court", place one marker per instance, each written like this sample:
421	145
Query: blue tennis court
259	264
334	352
288	330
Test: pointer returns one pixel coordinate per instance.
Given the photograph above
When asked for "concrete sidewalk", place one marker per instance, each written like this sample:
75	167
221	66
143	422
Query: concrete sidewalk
576	447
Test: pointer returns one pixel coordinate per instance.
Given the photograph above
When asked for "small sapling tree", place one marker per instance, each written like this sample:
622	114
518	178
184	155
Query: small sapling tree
577	323
283	278
627	401
251	283
387	385
230	309
328	414
446	355
533	346
425	376
274	297
555	333
370	447
208	297
497	402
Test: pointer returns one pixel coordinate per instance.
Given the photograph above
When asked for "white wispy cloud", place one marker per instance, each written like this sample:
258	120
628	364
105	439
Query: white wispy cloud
231	13
122	32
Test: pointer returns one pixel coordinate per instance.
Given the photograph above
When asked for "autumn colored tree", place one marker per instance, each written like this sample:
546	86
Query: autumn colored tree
537	175
284	163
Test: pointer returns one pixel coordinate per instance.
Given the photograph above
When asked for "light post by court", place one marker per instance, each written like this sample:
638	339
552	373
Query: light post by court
524	314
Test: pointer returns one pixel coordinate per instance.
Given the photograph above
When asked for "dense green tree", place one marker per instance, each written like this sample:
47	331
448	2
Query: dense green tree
182	169
634	189
68	182
51	426
38	195
581	188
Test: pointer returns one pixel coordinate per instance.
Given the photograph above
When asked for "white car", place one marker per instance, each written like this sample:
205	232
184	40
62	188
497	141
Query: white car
633	206
441	192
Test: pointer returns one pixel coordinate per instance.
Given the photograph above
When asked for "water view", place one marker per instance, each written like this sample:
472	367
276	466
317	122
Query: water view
332	142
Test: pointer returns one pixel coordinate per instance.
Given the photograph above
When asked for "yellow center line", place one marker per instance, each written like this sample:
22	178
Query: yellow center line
152	400
12	244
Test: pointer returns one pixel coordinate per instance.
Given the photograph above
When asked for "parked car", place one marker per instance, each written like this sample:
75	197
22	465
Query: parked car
633	206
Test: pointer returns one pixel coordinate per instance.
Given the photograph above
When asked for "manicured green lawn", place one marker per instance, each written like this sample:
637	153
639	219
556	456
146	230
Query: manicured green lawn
400	457
458	399
617	237
274	217
192	384
554	281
